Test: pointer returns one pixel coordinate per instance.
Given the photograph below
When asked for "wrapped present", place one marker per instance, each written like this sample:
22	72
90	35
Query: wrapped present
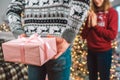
35	50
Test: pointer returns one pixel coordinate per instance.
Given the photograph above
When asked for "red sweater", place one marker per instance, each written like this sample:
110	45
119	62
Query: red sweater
99	38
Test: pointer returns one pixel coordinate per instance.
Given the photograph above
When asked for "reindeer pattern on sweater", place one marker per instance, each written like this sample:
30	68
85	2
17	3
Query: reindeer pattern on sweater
56	17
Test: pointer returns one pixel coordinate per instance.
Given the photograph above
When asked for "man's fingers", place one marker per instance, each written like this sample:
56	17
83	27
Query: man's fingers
50	36
22	35
58	54
59	40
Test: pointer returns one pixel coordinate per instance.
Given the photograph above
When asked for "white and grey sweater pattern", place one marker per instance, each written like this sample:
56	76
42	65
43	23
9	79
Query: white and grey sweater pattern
56	17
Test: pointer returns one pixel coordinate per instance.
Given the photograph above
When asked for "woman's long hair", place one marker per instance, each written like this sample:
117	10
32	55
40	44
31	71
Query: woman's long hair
105	6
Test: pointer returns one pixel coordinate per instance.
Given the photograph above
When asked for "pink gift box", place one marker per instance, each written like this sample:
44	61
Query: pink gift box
35	51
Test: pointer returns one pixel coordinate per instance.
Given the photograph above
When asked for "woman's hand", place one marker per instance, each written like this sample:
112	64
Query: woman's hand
92	19
89	18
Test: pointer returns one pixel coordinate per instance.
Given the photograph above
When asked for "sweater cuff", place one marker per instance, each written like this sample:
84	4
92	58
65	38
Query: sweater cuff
16	33
69	35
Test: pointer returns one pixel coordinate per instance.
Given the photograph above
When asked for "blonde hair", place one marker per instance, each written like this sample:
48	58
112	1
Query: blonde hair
105	6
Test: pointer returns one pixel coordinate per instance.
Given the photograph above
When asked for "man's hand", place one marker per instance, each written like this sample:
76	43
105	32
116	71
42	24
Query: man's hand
62	45
22	35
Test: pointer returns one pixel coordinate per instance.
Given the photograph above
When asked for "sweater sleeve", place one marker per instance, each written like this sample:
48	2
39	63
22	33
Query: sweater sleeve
13	16
76	17
112	29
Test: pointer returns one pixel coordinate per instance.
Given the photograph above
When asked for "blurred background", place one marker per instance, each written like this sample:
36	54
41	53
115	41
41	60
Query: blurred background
78	69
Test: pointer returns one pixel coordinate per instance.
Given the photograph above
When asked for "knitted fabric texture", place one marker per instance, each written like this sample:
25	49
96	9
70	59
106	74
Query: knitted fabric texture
56	17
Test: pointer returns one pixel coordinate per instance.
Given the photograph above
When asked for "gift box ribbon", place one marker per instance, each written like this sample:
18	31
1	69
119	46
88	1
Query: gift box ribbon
33	38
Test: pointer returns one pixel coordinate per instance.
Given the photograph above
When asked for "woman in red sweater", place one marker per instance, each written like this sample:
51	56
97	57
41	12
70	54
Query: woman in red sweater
101	28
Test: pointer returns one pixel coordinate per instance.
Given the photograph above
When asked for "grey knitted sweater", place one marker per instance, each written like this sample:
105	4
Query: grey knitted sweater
56	17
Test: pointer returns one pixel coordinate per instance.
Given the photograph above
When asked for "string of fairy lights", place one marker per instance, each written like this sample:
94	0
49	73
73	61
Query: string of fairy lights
79	68
79	52
4	28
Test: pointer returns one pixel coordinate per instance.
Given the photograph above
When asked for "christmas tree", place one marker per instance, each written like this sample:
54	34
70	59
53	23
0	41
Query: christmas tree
79	52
